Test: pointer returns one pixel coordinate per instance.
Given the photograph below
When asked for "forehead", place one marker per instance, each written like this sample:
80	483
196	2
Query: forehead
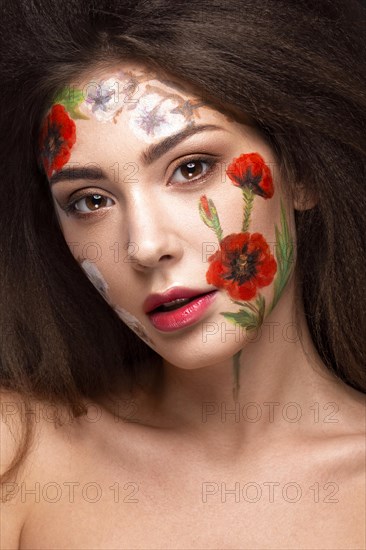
149	103
124	108
126	85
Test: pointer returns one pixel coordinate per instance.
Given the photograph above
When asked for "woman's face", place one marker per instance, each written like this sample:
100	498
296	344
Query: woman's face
167	192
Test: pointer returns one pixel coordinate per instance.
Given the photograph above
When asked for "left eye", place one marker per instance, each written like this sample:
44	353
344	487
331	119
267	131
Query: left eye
192	170
92	202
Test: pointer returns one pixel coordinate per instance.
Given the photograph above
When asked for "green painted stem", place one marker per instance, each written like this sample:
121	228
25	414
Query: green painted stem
219	234
248	197
236	372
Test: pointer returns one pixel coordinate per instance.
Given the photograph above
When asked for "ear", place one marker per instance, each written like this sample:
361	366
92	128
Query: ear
304	198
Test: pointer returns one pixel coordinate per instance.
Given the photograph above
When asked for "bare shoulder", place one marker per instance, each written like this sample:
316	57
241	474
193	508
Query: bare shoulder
14	468
23	454
350	470
348	420
346	451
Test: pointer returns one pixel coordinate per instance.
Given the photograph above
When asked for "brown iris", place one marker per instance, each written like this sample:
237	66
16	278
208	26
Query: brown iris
91	201
188	169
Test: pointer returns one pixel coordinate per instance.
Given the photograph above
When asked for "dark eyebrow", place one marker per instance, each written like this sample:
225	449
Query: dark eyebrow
152	153
157	150
72	173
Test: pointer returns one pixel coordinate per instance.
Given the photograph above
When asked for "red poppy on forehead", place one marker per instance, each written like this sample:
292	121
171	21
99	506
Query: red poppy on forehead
243	264
57	136
250	171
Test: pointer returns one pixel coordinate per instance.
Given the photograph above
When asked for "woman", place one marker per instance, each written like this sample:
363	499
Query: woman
183	259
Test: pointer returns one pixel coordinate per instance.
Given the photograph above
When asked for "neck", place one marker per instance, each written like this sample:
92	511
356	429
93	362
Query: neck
283	384
280	375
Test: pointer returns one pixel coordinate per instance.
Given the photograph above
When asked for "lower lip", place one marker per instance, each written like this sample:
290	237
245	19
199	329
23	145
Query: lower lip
169	321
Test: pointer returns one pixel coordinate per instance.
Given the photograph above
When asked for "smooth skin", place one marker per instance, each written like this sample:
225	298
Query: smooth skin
281	468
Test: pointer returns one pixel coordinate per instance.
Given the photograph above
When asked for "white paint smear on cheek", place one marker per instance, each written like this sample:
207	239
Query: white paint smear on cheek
101	285
95	277
153	118
134	324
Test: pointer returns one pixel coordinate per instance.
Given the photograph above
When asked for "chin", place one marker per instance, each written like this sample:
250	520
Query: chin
192	357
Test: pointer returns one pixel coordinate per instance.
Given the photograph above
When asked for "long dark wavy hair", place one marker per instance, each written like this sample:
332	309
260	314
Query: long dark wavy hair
297	68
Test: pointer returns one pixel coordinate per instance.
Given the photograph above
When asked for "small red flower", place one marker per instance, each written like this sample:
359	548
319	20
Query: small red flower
58	135
250	171
243	264
205	206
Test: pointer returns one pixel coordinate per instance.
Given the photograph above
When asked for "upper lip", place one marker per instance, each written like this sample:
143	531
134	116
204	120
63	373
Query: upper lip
155	300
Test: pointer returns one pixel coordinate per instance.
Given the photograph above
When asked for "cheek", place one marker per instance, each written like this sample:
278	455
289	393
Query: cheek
134	324
255	246
230	207
99	280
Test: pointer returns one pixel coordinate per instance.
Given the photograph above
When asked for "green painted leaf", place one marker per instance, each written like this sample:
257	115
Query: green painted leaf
261	305
236	374
71	99
243	318
284	255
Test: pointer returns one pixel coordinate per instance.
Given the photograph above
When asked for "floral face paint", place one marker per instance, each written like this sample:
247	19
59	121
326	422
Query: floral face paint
147	230
244	264
58	135
134	324
159	111
95	276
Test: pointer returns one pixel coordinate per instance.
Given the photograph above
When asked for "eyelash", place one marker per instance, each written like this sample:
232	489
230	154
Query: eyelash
70	209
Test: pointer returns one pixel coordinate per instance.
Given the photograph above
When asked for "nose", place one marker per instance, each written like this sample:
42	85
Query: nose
153	232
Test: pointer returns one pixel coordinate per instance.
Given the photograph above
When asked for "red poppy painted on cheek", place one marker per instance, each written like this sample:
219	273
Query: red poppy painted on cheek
58	135
243	264
249	171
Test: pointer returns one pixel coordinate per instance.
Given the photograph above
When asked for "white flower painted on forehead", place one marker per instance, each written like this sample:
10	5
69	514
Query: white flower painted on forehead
153	117
105	99
159	111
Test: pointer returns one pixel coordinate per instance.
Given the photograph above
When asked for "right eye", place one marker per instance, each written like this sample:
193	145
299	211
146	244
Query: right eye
193	170
94	202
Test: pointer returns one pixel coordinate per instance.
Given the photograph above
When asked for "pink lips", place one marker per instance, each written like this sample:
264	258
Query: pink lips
186	315
155	300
